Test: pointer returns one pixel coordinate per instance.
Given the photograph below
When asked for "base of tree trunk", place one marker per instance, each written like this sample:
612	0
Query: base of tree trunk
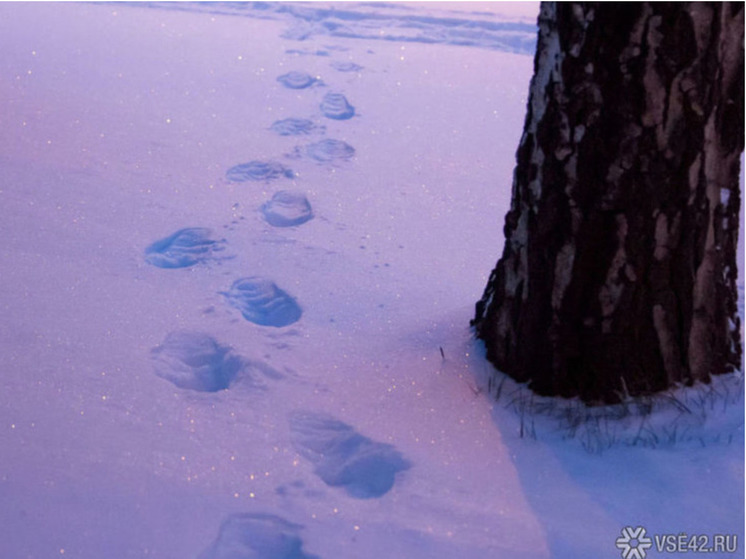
618	273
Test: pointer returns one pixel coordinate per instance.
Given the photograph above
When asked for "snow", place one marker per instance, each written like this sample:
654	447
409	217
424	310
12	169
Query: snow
182	377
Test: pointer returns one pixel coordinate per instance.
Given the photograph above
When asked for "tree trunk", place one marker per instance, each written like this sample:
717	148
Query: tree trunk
618	272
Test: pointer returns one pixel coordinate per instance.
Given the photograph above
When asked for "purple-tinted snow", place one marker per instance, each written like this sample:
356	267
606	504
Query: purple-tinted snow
192	367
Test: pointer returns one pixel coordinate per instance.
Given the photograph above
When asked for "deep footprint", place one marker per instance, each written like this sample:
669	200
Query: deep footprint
196	361
185	248
287	209
342	457
297	80
262	302
257	536
336	106
330	150
293	127
258	171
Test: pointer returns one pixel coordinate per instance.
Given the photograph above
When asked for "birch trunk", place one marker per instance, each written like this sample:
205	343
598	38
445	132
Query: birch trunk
619	267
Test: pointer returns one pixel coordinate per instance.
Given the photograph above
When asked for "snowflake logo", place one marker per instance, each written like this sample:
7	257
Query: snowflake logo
633	543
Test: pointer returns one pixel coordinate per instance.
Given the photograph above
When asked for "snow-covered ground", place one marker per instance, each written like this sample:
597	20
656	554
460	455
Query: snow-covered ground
195	366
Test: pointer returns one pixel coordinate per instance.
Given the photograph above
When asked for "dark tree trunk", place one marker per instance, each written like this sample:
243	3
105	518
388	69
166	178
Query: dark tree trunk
618	273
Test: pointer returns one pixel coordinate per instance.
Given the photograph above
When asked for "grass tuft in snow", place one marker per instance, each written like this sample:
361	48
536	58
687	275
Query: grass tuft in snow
701	415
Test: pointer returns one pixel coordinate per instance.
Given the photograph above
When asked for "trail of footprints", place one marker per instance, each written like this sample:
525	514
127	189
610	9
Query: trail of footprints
340	456
259	299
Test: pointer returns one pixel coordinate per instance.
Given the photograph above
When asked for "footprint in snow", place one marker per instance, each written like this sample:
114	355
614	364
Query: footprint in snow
287	209
196	361
294	127
327	151
258	171
186	247
342	457
336	106
306	52
297	80
257	536
262	302
345	66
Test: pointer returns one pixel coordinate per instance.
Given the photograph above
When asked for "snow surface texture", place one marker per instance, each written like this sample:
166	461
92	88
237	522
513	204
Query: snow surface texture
452	23
283	389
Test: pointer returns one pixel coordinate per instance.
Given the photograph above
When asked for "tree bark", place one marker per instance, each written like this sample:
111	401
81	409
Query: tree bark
619	267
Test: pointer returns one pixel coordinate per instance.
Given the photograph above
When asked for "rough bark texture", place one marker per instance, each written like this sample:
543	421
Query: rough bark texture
618	272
